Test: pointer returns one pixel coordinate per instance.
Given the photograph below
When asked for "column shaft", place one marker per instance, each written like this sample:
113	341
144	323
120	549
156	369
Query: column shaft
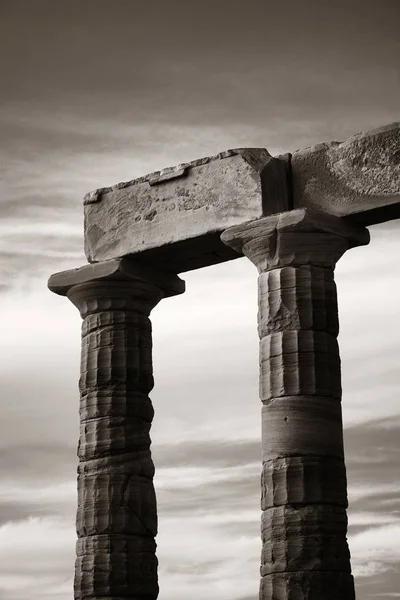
303	485
117	511
305	555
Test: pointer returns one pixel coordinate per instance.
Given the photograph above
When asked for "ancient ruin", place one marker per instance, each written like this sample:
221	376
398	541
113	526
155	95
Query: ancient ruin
293	216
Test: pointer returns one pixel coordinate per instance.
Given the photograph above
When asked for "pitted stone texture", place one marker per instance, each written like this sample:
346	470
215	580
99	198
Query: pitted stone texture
173	219
299	363
304	538
114	503
302	426
358	175
116	566
117	511
295	238
116	403
104	436
119	349
300	480
307	585
297	298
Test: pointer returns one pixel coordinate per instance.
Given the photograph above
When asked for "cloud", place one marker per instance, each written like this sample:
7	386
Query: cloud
389	595
375	550
19	502
207	453
36	557
371	518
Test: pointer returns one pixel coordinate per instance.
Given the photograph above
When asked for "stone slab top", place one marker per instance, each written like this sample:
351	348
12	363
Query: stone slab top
253	156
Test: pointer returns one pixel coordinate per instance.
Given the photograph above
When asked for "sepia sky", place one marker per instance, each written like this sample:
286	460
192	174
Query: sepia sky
98	91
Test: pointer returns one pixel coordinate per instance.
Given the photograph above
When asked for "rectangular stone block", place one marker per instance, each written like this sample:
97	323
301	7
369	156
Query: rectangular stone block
173	218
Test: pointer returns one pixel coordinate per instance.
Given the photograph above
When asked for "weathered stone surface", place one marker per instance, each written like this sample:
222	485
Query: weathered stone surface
307	585
295	299
299	363
305	554
302	426
173	218
359	175
117	510
296	238
303	479
119	269
304	538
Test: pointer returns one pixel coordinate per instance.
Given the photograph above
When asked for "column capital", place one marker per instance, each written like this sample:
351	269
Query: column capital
118	279
295	238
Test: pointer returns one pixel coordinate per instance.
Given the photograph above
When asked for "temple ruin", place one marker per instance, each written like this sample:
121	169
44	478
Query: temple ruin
293	216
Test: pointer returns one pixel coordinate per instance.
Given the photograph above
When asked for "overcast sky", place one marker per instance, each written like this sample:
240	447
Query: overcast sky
94	92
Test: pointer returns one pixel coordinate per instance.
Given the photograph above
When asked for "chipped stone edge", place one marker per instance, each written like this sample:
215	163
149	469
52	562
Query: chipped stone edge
250	155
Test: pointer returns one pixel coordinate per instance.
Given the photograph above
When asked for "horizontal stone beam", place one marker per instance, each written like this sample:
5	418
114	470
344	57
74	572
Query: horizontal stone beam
358	178
173	218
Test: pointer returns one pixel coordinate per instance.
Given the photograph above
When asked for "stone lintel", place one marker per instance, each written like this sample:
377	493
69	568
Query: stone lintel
358	177
118	269
173	218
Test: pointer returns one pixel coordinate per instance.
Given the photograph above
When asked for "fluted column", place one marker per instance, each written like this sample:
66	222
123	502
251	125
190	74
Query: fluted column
305	555
117	511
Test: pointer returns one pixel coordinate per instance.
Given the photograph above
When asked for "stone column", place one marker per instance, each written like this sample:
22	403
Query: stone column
305	555
117	512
